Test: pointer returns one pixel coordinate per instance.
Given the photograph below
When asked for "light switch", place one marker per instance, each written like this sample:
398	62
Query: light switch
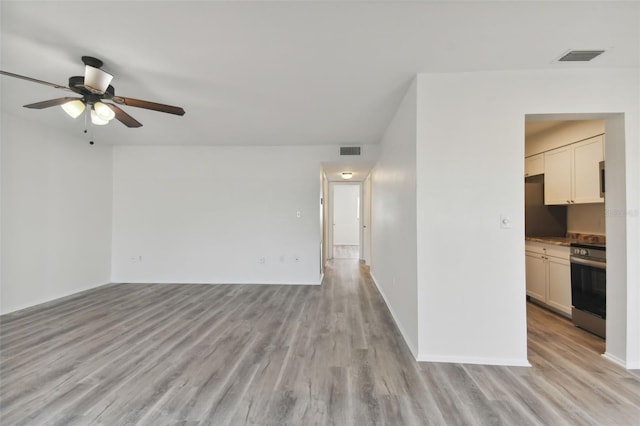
505	222
298	214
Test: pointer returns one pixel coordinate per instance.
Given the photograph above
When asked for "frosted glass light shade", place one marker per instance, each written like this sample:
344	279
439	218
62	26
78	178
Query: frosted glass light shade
95	119
74	108
96	80
103	111
347	175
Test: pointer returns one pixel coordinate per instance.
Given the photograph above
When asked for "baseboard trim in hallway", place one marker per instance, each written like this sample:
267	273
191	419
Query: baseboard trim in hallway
398	324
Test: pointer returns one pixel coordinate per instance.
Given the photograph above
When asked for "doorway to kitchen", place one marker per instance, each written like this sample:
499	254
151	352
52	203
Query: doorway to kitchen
564	190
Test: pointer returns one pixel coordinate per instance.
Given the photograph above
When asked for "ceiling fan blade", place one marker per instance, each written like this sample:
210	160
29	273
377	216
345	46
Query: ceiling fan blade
50	103
148	105
123	117
34	80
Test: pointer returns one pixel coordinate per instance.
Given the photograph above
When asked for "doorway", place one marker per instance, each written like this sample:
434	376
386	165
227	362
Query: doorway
594	219
346	220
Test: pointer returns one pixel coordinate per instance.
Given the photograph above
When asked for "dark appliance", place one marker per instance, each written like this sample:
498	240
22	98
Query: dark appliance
589	287
541	220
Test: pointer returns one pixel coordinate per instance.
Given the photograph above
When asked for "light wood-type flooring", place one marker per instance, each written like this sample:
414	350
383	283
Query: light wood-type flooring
272	355
346	252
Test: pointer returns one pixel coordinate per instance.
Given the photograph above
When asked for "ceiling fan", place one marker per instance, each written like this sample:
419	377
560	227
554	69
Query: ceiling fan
94	88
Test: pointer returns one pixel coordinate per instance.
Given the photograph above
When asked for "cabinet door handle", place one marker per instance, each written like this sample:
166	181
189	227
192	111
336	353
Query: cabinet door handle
568	201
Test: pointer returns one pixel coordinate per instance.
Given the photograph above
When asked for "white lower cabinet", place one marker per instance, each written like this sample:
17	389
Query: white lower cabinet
549	275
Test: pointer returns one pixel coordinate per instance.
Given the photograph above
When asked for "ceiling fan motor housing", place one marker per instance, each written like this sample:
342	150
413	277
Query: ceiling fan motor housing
92	62
76	84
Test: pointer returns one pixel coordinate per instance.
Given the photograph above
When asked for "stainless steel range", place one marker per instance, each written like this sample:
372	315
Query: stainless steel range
589	287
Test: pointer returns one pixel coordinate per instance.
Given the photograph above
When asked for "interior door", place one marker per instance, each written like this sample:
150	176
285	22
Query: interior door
366	221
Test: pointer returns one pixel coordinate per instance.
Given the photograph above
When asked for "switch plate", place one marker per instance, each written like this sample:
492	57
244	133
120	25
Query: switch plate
298	214
505	222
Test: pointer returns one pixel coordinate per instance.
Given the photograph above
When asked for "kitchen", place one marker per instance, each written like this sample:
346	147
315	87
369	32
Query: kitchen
565	247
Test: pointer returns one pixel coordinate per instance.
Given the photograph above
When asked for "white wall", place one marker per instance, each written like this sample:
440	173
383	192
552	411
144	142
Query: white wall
201	214
56	214
393	218
470	168
346	215
586	219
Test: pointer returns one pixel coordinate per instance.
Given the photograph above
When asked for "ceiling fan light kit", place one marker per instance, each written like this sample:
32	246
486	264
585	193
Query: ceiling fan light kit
97	120
94	87
74	108
103	111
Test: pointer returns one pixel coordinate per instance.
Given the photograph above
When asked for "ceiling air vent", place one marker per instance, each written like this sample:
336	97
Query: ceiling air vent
580	55
349	150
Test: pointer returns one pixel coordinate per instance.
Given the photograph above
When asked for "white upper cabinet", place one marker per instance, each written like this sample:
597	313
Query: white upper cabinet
571	173
587	156
534	165
557	176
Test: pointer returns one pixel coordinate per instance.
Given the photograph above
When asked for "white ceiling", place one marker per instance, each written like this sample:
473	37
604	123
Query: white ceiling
359	169
272	73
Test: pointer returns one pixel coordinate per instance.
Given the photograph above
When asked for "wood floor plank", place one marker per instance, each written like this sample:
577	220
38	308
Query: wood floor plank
162	354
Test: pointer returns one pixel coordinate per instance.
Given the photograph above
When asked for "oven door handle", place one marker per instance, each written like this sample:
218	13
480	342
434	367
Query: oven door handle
588	262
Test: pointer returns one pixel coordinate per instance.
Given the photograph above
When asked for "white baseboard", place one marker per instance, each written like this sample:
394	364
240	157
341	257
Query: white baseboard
213	283
633	365
57	298
615	360
507	362
414	351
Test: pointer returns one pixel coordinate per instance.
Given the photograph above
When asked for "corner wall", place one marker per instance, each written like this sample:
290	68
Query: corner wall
56	214
470	167
393	216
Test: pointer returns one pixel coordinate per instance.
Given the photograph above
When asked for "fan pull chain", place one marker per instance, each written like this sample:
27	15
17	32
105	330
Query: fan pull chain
87	125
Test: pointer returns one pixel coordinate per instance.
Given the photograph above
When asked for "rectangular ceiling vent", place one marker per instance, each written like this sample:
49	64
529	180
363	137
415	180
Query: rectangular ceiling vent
580	55
349	150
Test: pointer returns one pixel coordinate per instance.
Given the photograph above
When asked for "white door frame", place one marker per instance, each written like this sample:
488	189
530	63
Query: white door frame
365	224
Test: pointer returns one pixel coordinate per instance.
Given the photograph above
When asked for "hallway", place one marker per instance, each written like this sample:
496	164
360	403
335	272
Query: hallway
160	354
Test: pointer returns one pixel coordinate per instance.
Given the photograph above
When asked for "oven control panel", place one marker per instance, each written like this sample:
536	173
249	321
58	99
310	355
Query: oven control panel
589	253
580	251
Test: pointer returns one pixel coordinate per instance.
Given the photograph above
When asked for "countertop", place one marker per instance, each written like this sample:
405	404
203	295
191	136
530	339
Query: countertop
558	241
570	238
